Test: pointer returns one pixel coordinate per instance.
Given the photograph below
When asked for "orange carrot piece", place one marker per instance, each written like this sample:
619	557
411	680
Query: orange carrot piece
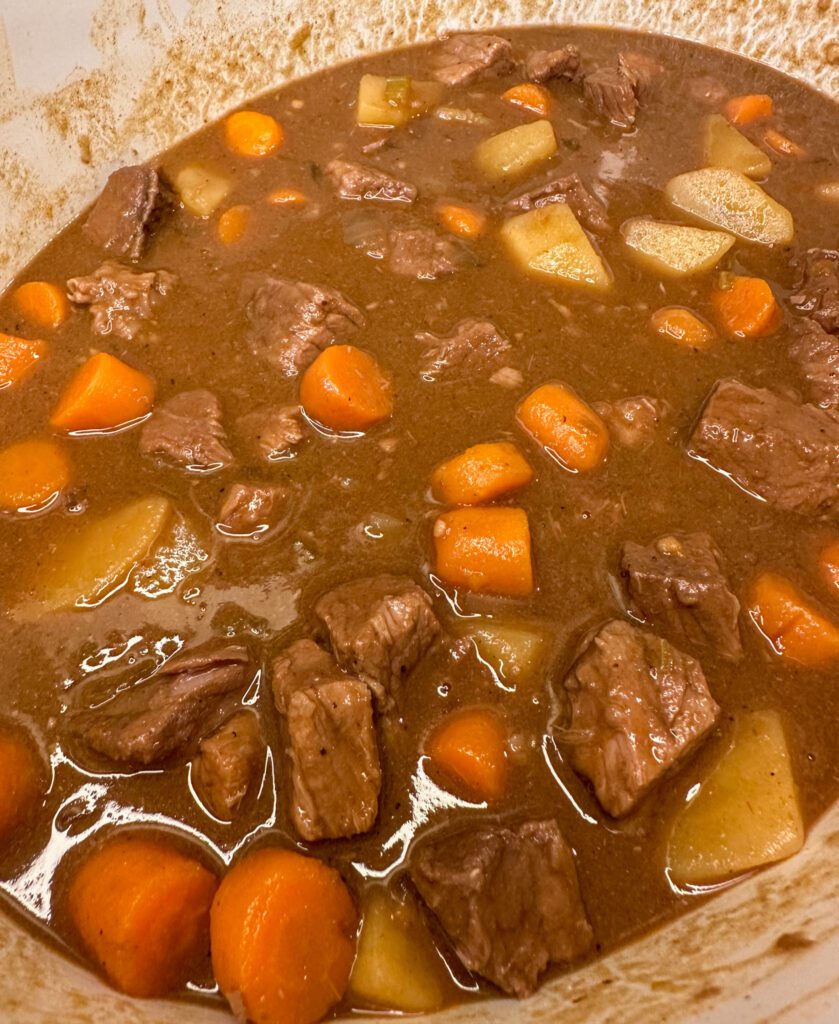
142	911
482	473
531	97
344	389
42	303
682	326
782	145
486	550
18	357
829	564
287	197
233	224
21	783
250	133
283	937
743	109
471	748
568	428
32	473
790	622
103	394
464	221
747	308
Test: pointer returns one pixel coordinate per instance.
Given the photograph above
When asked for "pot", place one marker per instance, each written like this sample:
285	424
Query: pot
87	85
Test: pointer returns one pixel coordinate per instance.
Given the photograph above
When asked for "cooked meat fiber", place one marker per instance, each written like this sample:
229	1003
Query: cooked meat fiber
273	433
677	585
379	628
635	421
120	217
120	299
292	321
544	65
638	706
336	775
421	252
785	453
615	92
227	764
817	354
508	898
189	697
818	294
355	181
252	510
475	347
563	188
186	430
463	59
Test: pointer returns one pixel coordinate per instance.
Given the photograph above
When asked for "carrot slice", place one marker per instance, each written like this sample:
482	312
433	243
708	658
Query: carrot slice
747	308
485	550
531	97
743	109
142	912
568	428
233	224
250	133
18	357
829	564
682	326
782	145
344	389
471	748
287	197
791	624
42	303
464	221
283	937
102	394
21	783
482	473
32	473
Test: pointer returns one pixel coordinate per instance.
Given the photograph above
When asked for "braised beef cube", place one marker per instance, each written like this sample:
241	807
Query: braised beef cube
291	321
227	765
643	71
818	293
120	299
120	217
508	898
273	433
379	628
186	430
475	347
420	251
634	421
563	188
252	510
817	354
462	59
783	452
678	585
543	65
336	775
615	92
638	707
355	181
189	697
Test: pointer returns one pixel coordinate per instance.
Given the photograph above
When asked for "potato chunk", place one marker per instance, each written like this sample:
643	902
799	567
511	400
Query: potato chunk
516	151
730	201
674	249
512	650
725	146
396	967
550	241
746	813
178	554
201	190
394	101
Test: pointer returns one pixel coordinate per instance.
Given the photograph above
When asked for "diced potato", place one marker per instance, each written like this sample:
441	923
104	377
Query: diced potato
201	190
746	813
725	146
396	967
516	151
828	191
730	201
514	652
551	241
674	249
394	101
178	554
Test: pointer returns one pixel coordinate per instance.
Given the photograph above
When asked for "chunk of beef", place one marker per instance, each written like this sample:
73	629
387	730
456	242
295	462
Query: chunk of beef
186	430
379	628
292	321
543	65
559	188
643	70
678	584
121	216
273	433
189	697
355	181
416	250
250	510
818	293
817	354
785	453
336	775
474	347
615	92
634	421
227	763
462	59
120	299
507	897
638	706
